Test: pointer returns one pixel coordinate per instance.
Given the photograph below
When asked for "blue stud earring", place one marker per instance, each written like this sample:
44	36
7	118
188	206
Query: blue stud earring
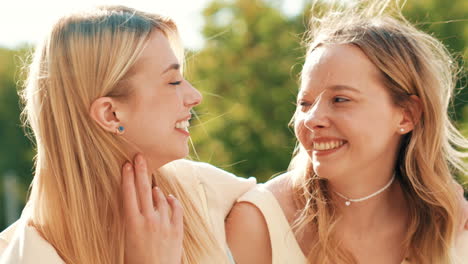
120	129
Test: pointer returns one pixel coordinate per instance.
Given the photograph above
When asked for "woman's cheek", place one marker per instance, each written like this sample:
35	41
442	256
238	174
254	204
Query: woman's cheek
300	130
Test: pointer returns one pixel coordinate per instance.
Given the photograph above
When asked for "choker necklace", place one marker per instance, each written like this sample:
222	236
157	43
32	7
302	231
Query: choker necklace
348	200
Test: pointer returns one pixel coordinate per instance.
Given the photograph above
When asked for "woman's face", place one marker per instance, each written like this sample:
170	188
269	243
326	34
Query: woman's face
345	118
156	115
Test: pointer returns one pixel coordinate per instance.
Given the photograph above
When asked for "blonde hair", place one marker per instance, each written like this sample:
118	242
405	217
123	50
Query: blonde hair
410	62
75	199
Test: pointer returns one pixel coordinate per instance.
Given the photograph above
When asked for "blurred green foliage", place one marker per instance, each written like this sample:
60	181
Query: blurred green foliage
248	74
16	152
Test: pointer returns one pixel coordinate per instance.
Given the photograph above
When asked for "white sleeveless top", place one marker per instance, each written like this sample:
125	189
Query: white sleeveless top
284	246
216	192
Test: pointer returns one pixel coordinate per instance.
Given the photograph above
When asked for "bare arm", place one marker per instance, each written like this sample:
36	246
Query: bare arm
247	235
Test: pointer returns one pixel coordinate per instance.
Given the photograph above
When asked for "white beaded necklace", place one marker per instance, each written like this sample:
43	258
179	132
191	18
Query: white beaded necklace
349	200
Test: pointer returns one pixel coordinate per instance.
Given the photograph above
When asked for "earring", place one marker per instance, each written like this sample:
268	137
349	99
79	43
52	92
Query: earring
402	130
120	130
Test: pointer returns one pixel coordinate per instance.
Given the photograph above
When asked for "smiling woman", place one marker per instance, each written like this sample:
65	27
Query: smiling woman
372	177
104	86
160	94
324	100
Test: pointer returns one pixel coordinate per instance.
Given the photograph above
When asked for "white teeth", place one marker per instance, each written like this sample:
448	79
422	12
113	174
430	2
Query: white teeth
182	125
328	145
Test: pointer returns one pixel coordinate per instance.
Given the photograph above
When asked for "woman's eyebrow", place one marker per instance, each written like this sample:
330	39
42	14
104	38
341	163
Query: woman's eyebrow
174	66
340	87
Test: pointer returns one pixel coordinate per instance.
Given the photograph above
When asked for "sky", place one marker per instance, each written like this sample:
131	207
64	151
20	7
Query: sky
25	21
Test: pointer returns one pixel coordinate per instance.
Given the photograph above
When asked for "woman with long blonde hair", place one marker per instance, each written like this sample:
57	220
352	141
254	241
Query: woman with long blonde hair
105	85
372	177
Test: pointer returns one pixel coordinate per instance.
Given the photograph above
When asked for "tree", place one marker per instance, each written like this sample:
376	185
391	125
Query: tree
247	72
448	23
16	152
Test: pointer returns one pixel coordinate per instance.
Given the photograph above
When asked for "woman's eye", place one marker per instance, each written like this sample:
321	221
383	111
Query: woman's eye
304	104
175	83
340	99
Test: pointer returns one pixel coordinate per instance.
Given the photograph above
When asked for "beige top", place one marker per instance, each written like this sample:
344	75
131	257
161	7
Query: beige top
217	190
284	246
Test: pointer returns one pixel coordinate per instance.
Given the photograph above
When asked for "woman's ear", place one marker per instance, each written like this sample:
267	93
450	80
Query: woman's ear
103	112
411	115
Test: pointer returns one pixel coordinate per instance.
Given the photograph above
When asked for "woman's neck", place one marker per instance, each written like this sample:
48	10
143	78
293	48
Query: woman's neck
388	208
376	228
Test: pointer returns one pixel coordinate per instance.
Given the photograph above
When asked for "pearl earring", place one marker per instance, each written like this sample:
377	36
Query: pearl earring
120	130
402	130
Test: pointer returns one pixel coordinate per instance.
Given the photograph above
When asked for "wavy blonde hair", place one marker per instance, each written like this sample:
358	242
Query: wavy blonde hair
410	62
75	200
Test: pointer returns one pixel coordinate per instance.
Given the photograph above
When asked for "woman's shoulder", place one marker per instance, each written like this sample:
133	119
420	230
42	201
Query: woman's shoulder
249	240
216	190
24	245
6	236
213	179
282	190
279	184
267	230
461	247
270	198
207	172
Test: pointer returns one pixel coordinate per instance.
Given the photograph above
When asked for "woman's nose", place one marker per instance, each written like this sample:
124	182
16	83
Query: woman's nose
317	116
193	97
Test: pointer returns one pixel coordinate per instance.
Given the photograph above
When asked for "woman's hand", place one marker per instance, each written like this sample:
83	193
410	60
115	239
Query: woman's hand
153	224
464	207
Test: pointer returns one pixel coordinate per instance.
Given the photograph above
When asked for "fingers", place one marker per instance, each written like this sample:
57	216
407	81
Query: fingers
161	204
130	203
177	222
140	199
464	205
459	188
143	185
177	212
